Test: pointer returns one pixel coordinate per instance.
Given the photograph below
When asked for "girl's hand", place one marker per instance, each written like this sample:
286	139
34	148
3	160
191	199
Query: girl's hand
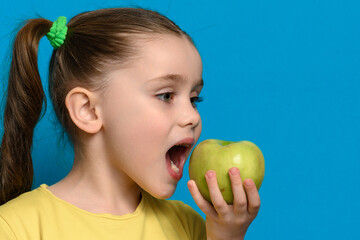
225	221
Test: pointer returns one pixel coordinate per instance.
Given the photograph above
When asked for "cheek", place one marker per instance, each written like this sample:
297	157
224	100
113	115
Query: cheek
137	126
135	136
198	131
148	129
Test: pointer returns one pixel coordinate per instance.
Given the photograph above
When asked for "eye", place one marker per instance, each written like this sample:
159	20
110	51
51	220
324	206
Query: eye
195	100
167	96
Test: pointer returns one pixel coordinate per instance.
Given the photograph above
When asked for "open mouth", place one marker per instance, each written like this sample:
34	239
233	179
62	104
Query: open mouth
176	157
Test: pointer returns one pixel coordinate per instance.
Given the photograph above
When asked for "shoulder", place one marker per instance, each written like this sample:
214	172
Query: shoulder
5	230
21	211
24	205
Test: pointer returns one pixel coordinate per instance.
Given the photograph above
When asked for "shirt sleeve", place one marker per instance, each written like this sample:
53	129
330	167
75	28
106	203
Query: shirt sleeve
5	231
195	223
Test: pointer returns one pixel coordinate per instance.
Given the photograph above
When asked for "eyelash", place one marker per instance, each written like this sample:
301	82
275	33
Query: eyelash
195	99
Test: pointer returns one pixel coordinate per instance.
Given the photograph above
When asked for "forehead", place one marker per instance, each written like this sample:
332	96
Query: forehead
171	56
160	59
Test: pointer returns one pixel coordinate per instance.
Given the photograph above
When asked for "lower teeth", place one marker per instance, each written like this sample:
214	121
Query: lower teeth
174	167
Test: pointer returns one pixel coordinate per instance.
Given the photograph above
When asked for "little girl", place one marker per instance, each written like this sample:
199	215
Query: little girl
124	84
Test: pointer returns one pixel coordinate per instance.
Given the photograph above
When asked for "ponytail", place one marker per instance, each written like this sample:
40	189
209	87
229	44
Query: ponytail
25	96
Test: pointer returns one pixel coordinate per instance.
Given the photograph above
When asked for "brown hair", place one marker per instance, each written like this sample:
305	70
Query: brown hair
95	42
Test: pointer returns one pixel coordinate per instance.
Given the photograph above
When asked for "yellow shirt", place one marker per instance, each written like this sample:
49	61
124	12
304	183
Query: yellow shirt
38	214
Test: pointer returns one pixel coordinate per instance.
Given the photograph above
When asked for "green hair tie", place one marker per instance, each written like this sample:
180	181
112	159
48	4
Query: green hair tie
57	33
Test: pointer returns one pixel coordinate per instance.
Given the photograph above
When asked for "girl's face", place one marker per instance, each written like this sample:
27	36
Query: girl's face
148	107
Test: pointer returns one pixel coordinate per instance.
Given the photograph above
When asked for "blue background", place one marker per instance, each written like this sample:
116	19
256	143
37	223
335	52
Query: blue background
282	74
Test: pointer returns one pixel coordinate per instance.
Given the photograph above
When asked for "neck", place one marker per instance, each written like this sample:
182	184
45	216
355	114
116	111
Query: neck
96	185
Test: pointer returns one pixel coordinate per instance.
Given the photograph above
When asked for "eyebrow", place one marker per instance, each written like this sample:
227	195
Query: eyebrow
175	78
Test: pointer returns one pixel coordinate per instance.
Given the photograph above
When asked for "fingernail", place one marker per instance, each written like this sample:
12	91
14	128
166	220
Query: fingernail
210	174
234	171
190	184
248	182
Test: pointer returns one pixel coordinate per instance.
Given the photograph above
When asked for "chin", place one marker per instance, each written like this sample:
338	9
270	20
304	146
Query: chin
163	193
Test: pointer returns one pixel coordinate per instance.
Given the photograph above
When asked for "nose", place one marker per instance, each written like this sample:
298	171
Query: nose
189	116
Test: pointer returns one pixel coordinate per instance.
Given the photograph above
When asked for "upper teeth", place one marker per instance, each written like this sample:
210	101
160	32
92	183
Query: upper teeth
182	145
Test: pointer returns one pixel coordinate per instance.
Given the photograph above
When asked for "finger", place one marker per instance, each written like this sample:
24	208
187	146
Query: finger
240	201
217	199
200	201
252	196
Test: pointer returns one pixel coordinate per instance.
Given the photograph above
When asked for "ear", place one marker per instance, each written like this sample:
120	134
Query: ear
84	110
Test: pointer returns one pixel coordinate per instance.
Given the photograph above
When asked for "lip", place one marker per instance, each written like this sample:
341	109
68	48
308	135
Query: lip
190	141
185	141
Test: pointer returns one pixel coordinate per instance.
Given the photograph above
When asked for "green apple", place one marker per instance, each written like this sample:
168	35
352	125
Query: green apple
220	156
